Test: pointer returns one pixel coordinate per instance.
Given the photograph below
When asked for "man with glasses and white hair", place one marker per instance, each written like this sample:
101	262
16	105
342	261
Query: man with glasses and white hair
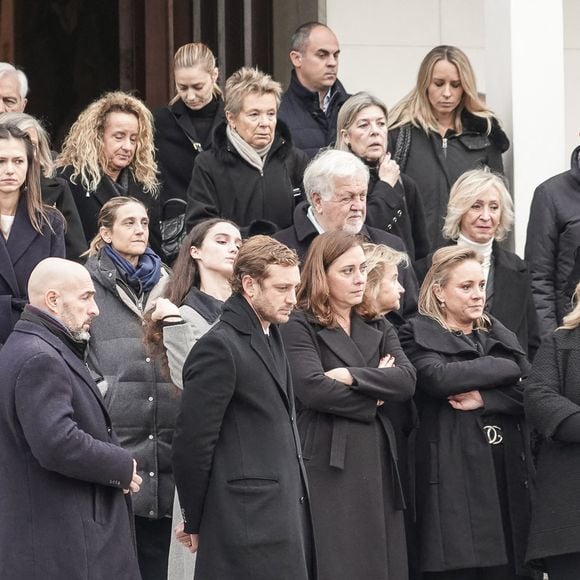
335	183
13	89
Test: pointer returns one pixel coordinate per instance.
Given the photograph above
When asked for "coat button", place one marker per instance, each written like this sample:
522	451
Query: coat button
151	474
525	484
522	456
302	499
150	399
150	436
399	213
151	512
109	430
300	456
148	359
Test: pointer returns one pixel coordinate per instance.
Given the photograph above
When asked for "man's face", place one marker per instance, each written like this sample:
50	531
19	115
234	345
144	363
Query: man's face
274	297
346	209
317	65
76	306
10	99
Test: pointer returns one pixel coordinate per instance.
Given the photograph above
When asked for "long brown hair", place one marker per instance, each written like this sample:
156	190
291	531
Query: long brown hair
314	293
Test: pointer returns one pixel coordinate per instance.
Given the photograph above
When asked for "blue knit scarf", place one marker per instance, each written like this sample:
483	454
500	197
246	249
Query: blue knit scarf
147	272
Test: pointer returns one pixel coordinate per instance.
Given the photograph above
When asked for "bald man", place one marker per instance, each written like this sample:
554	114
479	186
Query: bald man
64	480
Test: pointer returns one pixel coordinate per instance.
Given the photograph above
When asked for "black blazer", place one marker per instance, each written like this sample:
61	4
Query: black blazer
19	255
90	203
236	454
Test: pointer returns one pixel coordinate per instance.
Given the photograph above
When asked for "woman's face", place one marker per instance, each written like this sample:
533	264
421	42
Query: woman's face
13	165
194	85
463	297
130	232
256	121
119	142
390	291
445	90
480	222
367	136
218	250
346	278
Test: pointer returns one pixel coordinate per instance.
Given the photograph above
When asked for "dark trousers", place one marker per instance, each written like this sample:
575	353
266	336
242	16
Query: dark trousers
564	567
153	539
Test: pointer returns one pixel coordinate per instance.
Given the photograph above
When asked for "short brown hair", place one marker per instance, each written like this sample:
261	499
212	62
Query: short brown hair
254	257
314	294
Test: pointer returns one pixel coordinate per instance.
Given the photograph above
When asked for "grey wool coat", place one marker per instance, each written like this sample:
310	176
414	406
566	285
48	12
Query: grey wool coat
63	513
237	457
143	404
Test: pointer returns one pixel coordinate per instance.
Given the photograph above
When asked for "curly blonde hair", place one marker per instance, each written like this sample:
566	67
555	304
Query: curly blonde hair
83	146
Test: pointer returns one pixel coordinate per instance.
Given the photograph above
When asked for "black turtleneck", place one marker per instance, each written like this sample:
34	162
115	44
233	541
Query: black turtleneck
203	120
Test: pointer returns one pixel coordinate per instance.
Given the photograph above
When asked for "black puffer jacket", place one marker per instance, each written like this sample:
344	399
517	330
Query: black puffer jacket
310	126
553	244
435	163
225	185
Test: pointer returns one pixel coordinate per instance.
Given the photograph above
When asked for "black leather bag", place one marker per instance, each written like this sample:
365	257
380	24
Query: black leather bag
173	230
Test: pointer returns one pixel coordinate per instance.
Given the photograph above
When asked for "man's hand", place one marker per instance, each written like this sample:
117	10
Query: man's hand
189	541
136	480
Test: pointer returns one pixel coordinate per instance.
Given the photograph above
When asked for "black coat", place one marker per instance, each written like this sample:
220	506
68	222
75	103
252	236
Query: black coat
436	163
143	404
552	396
300	235
553	244
399	211
311	128
89	204
178	144
458	509
19	255
57	193
350	444
512	302
64	514
225	185
236	454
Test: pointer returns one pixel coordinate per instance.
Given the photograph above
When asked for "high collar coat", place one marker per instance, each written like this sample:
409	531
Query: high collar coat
237	457
64	514
350	444
19	255
458	509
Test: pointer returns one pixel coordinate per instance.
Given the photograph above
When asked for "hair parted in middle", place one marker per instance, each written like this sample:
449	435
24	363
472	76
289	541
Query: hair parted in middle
415	107
254	257
83	146
107	218
445	260
249	81
378	257
313	294
328	165
464	193
349	111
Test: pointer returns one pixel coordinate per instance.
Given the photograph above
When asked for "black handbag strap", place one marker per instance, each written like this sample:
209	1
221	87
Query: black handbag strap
169	201
402	147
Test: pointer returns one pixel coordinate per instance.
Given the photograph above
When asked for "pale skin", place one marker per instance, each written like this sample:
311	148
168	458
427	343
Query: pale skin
64	290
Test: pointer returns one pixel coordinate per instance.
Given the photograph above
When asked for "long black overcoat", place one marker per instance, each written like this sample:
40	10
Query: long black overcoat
552	395
63	512
236	454
458	509
19	255
350	444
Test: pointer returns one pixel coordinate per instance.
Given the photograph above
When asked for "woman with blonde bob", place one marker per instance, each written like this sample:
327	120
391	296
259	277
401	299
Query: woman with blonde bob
479	215
109	151
184	128
552	400
252	175
441	129
472	460
393	202
347	373
55	190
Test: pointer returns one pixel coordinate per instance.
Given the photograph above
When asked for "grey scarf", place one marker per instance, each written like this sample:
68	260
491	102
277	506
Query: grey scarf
255	157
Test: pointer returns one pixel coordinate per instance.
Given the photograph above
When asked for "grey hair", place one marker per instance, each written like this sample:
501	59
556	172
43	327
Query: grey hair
326	166
25	122
301	35
464	193
6	67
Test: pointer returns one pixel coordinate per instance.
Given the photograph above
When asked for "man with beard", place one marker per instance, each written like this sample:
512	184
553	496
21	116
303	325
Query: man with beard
64	479
236	451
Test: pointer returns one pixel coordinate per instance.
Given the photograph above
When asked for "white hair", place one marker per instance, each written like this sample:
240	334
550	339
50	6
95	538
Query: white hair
326	167
6	67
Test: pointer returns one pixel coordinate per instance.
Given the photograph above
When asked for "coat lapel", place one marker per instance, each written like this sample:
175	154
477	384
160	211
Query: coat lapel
261	347
24	233
7	268
183	120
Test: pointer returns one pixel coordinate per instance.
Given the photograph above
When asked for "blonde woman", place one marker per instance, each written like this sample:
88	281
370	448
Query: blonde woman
108	152
441	129
252	175
552	401
184	128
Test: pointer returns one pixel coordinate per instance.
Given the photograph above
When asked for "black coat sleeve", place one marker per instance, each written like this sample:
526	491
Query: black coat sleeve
202	197
417	217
